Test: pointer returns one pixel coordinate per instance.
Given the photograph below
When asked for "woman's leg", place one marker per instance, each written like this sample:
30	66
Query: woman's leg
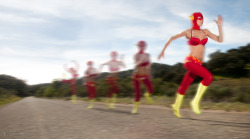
73	96
137	89
136	84
187	80
149	87
207	79
91	91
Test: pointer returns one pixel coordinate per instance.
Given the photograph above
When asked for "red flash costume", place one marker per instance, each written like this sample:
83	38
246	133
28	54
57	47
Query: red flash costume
90	84
113	86
114	67
138	78
193	65
72	81
193	62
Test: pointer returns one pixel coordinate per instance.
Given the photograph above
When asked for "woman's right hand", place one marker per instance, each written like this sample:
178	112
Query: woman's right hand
161	55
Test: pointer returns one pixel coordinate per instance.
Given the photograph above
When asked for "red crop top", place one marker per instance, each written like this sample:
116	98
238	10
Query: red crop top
196	41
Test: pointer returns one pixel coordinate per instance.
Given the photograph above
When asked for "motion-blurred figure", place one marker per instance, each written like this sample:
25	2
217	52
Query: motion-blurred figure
89	82
73	71
197	39
141	74
114	67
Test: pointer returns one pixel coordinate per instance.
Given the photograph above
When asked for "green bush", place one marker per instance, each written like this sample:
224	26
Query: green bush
11	83
81	91
218	93
6	92
49	92
40	91
241	94
192	90
168	89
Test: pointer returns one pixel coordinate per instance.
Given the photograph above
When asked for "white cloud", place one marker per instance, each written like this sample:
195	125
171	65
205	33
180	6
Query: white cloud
13	18
233	35
35	6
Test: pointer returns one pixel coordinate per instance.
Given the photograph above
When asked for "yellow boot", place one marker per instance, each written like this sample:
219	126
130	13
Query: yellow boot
73	99
108	102
135	109
195	103
112	105
148	97
91	103
177	105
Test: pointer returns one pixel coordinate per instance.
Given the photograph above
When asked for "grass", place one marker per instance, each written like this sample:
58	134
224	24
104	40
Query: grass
167	101
232	82
8	99
226	106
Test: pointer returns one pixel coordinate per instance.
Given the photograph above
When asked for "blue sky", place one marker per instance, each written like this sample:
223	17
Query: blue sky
39	36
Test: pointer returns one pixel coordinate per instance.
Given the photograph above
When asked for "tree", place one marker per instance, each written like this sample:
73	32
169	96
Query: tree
11	83
233	63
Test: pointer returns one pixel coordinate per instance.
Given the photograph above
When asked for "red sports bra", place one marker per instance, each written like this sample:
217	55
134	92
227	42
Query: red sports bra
196	41
144	63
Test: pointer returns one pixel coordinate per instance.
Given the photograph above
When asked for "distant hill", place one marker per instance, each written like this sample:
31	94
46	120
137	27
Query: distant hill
12	86
235	63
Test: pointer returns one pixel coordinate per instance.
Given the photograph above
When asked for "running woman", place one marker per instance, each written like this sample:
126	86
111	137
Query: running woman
114	67
73	71
141	74
196	39
89	82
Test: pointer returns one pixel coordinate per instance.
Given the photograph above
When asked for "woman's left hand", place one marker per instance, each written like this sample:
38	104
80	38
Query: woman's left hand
219	20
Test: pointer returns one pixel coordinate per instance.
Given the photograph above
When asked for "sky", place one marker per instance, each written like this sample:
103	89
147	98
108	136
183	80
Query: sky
37	37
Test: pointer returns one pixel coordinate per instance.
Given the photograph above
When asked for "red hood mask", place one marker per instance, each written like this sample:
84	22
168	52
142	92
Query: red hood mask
194	17
141	45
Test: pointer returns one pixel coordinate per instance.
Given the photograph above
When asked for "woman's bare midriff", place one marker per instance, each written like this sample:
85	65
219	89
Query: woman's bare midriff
141	70
197	51
113	74
91	79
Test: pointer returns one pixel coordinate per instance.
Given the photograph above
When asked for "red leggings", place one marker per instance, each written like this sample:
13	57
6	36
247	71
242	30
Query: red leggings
113	87
194	68
136	82
91	89
73	85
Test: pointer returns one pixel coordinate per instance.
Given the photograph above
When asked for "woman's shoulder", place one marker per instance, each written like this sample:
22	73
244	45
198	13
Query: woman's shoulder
204	29
187	31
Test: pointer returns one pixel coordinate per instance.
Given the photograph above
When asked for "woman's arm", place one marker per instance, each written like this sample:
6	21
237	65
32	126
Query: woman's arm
149	65
76	65
213	36
140	60
65	66
101	66
84	78
122	64
184	33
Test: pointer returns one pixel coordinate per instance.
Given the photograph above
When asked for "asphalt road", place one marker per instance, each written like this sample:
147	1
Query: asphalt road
36	118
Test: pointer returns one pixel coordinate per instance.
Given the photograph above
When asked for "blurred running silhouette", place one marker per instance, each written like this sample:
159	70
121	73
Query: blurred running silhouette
114	67
89	82
73	71
141	74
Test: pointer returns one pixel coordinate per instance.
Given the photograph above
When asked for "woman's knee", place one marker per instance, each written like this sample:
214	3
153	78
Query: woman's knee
208	80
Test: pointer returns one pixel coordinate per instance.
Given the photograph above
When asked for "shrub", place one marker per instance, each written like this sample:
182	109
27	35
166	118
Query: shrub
217	93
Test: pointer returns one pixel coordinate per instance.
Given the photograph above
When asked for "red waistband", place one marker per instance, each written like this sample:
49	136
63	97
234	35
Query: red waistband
90	83
193	59
111	78
138	76
92	75
144	64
